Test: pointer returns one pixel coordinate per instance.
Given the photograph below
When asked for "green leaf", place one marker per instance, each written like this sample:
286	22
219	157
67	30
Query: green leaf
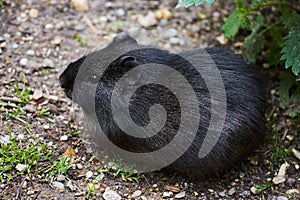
290	19
287	82
259	21
253	44
232	25
188	3
257	3
291	50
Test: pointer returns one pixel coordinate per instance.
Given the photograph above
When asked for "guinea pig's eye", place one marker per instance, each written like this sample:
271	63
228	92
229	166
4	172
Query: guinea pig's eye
93	79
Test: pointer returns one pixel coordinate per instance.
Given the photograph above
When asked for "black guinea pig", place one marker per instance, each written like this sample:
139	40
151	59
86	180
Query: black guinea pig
197	112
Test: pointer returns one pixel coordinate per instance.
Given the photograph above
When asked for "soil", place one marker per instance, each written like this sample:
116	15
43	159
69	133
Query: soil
39	38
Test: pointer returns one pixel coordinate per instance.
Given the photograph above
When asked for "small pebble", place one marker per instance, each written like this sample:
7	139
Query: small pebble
58	185
30	52
71	186
170	33
245	193
121	12
136	194
79	27
61	178
111	195
291	181
49	26
48	63
21	167
46	127
34	13
221	194
21	136
37	95
88	174
64	138
180	195
281	198
24	62
29	108
231	191
14	45
147	21
79	166
292	191
80	5
166	194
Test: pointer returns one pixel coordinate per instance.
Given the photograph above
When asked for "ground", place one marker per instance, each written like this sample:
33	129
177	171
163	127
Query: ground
39	38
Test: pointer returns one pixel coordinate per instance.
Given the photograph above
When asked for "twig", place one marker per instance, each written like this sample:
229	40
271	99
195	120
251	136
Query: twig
19	188
37	194
90	24
10	99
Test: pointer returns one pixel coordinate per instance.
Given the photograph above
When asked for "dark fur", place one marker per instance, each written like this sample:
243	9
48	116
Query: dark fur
246	103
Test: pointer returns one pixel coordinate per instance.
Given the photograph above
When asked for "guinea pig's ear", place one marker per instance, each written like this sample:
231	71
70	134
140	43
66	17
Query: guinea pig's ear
124	38
128	61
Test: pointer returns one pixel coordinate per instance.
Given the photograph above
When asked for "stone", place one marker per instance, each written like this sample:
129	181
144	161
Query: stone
21	136
49	26
61	178
221	194
48	63
64	138
281	198
57	41
292	191
21	167
245	193
296	153
147	21
33	13
180	195
79	27
291	181
71	186
14	46
88	174
24	62
30	52
37	95
111	195
136	194
58	185
280	178
166	194
80	5
121	12
231	191
170	33
29	108
79	166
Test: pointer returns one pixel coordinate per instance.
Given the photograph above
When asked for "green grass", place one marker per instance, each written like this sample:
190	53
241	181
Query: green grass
126	173
280	152
59	167
45	111
34	155
82	41
30	155
21	94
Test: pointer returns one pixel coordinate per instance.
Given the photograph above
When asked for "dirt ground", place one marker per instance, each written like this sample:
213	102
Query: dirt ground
39	38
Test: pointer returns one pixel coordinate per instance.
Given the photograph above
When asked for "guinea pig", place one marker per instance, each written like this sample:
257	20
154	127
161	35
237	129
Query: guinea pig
198	112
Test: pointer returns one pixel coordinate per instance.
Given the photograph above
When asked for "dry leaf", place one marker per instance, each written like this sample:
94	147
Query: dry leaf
172	188
70	153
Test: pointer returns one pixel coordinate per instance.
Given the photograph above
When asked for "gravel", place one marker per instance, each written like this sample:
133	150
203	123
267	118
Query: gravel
38	41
